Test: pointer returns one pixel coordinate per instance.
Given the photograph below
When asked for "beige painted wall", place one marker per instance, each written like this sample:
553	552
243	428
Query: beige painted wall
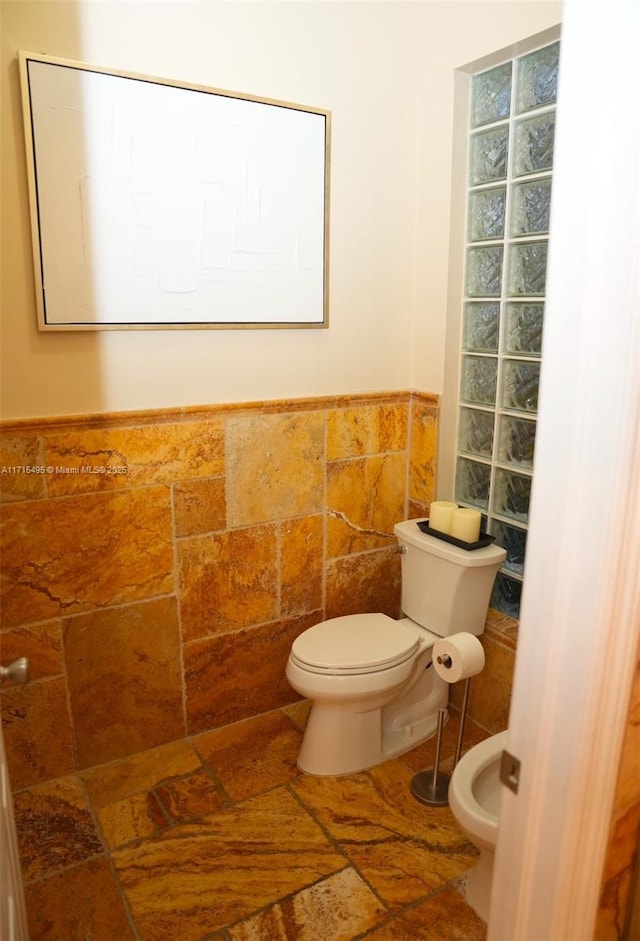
386	72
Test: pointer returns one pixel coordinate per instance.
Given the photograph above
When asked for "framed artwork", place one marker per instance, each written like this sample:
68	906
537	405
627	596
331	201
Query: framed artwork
163	205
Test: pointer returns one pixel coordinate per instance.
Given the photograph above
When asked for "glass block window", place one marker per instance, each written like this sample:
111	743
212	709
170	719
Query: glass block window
511	137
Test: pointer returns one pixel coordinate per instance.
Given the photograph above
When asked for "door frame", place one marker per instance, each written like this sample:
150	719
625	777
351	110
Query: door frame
580	617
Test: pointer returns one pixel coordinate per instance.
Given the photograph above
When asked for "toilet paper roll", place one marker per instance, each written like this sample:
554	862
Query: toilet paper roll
458	657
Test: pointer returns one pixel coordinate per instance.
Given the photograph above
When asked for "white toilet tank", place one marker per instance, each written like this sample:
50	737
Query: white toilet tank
445	588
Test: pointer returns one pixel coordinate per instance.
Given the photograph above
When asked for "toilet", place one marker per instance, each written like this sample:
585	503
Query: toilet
373	690
474	798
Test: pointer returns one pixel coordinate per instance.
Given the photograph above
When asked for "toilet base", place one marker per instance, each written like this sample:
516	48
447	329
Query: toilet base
338	741
478	885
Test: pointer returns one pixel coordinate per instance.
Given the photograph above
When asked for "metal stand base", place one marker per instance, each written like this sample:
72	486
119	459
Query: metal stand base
432	787
429	791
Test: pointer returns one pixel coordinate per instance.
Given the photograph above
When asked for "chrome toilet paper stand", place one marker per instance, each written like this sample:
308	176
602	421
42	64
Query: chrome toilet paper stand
432	787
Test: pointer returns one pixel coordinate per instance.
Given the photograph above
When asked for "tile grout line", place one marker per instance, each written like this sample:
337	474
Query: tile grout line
336	845
109	860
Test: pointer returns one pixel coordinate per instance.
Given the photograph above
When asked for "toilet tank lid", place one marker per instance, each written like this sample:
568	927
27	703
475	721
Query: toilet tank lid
356	642
408	532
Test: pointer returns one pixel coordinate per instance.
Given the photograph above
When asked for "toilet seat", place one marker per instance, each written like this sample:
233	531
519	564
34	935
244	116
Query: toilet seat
354	644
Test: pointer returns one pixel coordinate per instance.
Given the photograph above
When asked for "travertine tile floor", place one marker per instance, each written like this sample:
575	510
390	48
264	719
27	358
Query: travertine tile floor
220	837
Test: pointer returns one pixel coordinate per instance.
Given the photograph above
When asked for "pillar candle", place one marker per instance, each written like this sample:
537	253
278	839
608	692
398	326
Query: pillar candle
465	524
440	513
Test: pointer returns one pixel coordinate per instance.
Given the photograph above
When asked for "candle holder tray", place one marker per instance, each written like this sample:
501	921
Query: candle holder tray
485	538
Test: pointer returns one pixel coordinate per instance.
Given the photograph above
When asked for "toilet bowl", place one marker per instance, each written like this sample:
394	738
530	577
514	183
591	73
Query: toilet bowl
352	669
374	692
474	798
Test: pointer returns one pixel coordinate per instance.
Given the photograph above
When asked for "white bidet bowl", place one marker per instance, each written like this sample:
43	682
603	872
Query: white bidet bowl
474	798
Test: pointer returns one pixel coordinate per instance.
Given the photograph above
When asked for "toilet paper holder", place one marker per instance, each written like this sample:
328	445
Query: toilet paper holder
432	787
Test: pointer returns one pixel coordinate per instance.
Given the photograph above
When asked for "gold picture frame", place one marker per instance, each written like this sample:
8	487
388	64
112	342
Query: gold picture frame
158	204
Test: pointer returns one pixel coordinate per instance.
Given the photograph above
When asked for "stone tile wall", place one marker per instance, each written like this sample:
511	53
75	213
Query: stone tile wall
156	567
490	691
